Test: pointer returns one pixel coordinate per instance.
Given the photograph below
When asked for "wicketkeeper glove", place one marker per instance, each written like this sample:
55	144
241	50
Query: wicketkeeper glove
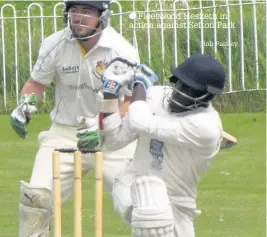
87	134
21	116
145	76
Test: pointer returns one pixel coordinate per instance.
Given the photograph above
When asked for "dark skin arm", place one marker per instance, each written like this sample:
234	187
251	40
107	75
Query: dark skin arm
139	93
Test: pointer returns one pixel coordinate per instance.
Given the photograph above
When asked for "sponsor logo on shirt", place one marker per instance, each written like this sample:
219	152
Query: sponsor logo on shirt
70	69
83	87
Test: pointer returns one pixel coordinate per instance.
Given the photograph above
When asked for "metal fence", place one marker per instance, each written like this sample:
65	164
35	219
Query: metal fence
164	32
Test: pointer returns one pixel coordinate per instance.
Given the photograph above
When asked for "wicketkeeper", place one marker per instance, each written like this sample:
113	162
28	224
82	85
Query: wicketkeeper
74	58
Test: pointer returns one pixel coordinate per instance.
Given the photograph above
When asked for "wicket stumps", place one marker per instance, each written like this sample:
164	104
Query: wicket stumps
77	191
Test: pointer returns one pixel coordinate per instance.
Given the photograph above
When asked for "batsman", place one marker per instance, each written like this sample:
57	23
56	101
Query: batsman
178	133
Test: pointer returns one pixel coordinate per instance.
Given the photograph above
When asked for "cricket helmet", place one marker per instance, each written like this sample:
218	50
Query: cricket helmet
196	81
102	6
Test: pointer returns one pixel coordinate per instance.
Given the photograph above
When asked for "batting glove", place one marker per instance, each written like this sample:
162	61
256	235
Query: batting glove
21	116
117	78
145	76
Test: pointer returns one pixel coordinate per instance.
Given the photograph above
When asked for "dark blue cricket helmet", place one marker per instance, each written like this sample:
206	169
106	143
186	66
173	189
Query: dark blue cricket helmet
195	82
200	72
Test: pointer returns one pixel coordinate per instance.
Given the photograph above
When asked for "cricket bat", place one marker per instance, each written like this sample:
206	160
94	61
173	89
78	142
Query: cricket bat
228	141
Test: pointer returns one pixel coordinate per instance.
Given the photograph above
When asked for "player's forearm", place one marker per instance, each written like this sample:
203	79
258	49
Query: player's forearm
145	123
124	106
32	86
139	93
117	133
117	142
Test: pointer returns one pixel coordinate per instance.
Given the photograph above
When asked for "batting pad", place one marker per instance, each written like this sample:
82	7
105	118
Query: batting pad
152	213
166	231
35	211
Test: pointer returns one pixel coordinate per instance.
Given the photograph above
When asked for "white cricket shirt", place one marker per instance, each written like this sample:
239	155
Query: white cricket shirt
76	80
176	147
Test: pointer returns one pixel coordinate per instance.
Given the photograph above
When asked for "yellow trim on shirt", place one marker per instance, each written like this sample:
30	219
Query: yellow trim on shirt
82	51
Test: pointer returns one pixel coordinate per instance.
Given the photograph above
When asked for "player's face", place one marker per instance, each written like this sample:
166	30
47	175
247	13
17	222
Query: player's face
184	95
83	20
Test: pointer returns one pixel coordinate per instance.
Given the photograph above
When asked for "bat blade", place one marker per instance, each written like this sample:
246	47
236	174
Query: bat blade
228	141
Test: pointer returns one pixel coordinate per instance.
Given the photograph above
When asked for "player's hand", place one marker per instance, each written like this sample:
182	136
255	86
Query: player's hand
87	134
21	116
145	76
116	79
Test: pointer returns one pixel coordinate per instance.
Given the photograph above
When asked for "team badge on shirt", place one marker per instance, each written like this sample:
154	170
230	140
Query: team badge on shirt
156	151
100	65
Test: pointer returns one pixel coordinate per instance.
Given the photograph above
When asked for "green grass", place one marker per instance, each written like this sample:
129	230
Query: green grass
231	194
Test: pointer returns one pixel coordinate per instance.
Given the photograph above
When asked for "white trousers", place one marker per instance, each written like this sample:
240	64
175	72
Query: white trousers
121	194
59	136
